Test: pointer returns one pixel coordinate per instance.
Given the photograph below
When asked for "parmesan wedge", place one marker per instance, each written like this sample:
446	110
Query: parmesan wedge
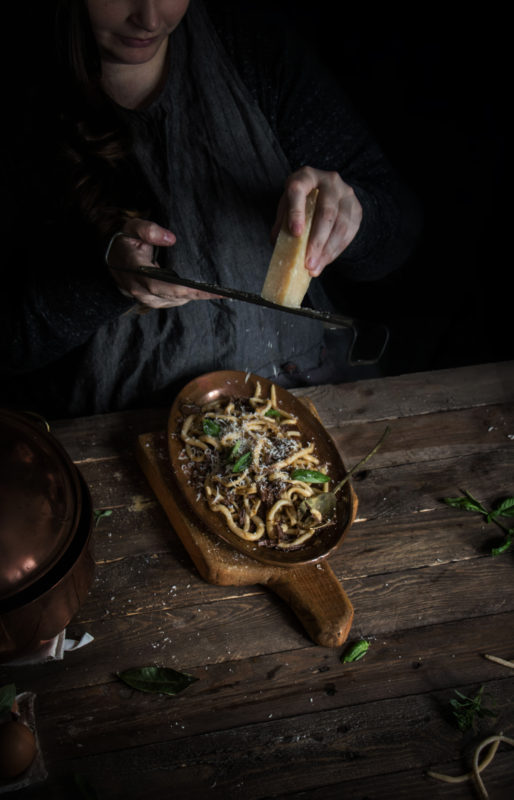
287	280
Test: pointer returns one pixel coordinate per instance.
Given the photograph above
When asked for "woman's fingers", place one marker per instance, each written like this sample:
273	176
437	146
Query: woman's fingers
298	186
136	242
336	221
135	249
334	226
158	294
150	232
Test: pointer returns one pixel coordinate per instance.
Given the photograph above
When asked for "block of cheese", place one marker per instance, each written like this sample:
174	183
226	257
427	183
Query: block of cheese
287	280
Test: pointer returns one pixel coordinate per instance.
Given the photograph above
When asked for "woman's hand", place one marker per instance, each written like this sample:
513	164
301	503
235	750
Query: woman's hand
336	220
138	251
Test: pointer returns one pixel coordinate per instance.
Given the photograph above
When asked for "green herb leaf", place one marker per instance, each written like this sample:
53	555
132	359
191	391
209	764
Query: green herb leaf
323	503
502	548
210	427
157	680
100	513
505	508
235	450
356	651
466	503
272	412
7	697
242	462
309	476
467	709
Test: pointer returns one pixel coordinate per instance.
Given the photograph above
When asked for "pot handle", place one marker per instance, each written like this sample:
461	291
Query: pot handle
319	601
38	418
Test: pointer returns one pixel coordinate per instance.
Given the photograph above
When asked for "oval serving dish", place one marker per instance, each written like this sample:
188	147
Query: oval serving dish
232	384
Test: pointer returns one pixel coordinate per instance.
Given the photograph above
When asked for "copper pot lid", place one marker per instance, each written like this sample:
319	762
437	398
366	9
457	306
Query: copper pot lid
40	505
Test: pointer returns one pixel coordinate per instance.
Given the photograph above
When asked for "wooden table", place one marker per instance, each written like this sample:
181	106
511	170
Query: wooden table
273	715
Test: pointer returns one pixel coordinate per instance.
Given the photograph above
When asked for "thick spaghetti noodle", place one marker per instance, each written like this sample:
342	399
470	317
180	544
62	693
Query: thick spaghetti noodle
247	460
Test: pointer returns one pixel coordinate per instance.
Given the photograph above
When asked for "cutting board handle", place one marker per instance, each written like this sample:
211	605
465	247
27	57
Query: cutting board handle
317	598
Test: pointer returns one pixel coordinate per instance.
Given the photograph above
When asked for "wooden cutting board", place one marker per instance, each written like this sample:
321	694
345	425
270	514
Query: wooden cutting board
311	590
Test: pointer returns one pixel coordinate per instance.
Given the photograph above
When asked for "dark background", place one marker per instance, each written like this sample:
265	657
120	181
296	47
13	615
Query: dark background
431	82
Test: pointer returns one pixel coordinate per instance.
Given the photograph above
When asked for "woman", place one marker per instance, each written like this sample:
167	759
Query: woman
180	123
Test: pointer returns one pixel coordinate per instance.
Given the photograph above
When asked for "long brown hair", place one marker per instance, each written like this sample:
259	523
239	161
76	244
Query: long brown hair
95	143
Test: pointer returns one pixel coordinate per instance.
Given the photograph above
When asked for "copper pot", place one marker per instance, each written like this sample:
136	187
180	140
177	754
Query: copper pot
46	564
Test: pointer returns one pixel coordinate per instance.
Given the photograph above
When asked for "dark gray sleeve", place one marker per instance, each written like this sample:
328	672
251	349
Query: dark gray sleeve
316	125
56	290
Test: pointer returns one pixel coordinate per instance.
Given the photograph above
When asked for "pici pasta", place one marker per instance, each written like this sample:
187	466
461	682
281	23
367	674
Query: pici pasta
247	459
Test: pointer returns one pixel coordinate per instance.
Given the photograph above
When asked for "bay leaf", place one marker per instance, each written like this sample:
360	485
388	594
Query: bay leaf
156	680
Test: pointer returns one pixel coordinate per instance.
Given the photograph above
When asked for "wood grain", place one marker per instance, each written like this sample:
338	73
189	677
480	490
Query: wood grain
273	715
311	590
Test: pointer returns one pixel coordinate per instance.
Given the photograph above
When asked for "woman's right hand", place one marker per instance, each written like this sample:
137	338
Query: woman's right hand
138	251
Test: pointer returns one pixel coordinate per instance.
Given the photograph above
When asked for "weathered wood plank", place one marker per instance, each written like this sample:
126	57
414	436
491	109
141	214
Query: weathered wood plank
374	400
421	437
156	626
401	517
118	482
103	435
410	785
413	488
404	785
426	438
418	661
272	715
373	545
142	586
311	750
413	394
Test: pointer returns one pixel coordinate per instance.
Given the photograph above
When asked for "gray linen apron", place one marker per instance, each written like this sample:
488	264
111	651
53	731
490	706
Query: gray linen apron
217	171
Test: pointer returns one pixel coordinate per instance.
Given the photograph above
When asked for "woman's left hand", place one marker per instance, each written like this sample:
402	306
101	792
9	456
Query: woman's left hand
336	220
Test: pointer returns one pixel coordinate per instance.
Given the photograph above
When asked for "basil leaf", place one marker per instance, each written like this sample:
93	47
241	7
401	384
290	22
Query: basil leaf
156	680
309	476
99	514
505	508
466	709
7	697
235	450
242	462
272	412
502	548
356	651
210	427
465	503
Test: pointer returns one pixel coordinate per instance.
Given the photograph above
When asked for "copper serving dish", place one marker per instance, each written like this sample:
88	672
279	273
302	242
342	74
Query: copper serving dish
46	566
230	383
